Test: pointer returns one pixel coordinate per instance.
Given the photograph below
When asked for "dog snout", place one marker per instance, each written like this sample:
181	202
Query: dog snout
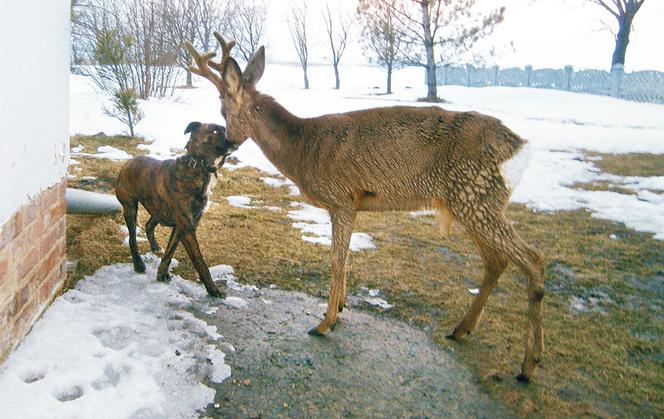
231	147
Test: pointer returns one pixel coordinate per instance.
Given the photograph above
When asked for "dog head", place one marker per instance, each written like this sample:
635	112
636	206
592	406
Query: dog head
208	142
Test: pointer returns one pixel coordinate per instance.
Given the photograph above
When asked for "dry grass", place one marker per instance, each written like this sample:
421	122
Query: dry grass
608	361
632	164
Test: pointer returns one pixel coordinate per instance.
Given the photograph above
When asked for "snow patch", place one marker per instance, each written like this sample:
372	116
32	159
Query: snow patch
119	342
370	296
226	273
106	152
316	227
239	201
277	183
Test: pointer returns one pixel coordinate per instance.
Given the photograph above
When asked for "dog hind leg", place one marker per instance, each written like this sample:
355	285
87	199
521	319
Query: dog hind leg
130	210
149	231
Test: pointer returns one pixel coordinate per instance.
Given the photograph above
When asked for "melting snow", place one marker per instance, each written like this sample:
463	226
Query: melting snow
119	342
277	183
371	297
105	152
316	227
225	273
239	201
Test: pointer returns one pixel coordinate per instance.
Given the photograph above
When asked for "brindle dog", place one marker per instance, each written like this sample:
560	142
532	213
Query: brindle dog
175	193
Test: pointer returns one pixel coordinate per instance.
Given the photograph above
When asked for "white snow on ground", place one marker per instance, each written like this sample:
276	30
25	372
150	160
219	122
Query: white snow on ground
239	201
316	227
557	124
106	152
119	345
226	273
370	296
277	183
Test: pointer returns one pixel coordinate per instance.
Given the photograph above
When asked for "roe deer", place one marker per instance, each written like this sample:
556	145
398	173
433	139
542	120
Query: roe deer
386	159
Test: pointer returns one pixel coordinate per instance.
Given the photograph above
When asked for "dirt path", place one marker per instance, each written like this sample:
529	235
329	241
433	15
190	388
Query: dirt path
368	367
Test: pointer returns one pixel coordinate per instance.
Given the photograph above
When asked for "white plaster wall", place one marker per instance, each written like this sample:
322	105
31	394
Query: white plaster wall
34	99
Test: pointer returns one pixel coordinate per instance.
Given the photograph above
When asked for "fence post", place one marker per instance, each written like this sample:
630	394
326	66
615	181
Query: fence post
446	69
569	70
495	75
617	72
529	70
469	69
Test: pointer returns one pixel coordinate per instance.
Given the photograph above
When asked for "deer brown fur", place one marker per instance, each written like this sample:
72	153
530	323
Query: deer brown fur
386	159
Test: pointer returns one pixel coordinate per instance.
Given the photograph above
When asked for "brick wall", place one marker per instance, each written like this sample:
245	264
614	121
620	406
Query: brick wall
32	263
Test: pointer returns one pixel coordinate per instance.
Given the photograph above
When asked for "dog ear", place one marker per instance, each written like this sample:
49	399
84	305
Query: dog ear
193	126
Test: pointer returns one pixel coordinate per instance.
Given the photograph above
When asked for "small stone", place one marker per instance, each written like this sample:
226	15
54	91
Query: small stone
177	353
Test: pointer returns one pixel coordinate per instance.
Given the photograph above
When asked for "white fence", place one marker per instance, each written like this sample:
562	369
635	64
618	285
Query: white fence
640	86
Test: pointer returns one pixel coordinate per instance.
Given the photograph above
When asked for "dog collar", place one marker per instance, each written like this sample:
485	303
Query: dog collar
194	163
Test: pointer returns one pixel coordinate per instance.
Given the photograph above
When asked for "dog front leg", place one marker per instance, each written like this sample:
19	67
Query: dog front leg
187	236
162	272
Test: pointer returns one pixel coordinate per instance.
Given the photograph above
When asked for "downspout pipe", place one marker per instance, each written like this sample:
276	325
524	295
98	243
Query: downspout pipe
91	203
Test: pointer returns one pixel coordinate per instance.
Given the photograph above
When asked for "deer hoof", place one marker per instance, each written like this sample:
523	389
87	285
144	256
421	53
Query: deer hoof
522	379
314	332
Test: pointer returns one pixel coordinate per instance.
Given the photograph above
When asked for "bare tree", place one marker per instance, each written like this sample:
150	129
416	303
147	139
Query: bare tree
148	61
192	21
449	25
245	23
297	25
338	28
380	37
624	12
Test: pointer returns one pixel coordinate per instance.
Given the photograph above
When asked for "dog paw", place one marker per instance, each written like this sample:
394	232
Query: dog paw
216	292
165	277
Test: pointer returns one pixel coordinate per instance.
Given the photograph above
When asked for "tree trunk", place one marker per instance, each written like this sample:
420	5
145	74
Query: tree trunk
130	123
622	39
432	93
389	78
189	81
306	80
337	82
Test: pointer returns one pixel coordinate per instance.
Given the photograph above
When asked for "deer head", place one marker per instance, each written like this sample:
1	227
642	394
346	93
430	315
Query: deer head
237	89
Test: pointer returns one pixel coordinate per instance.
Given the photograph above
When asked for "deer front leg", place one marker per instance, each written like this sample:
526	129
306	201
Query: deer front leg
342	227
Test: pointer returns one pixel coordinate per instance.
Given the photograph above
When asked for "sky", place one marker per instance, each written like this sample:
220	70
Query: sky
542	33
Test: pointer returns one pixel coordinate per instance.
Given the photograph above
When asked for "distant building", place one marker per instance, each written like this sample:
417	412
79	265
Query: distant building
34	151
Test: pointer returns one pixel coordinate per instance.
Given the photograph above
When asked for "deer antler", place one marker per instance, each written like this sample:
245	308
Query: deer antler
204	62
226	48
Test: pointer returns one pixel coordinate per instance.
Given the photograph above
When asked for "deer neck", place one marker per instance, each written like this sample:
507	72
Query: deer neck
277	132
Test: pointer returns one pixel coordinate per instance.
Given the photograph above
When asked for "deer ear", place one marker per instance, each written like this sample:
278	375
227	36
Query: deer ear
233	77
193	126
255	68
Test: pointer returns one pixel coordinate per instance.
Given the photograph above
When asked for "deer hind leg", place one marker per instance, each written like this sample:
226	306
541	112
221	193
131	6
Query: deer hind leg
495	263
342	228
498	235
